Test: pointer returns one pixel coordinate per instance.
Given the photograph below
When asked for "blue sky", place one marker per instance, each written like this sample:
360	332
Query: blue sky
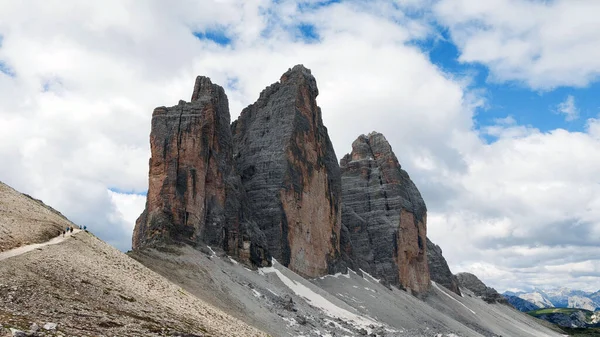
533	107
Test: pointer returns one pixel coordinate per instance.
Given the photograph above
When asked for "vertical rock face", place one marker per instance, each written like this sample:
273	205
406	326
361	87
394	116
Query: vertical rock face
290	173
438	268
194	194
385	215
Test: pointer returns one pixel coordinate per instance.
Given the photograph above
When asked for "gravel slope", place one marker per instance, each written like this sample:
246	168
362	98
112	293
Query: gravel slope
284	304
24	220
91	289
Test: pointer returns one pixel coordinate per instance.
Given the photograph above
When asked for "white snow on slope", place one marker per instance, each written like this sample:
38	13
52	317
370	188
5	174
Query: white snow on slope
212	252
369	275
322	303
335	276
459	302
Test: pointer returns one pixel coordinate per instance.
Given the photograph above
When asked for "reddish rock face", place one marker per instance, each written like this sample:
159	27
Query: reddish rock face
290	173
194	194
385	215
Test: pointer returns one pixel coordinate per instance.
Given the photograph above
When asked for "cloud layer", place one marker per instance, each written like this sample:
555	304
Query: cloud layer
524	210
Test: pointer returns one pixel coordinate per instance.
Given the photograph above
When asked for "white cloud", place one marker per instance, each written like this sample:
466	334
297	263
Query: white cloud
528	206
502	207
568	108
544	44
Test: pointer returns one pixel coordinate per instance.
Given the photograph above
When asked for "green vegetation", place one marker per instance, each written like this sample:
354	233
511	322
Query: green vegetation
582	332
566	311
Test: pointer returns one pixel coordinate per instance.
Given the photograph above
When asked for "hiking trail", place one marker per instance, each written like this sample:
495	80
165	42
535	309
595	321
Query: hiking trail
24	249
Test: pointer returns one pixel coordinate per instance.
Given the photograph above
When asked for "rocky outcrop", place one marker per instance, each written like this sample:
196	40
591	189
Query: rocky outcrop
474	284
438	268
194	194
290	174
385	215
520	304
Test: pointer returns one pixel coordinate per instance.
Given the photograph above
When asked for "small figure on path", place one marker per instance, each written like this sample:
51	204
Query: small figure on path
71	229
63	234
85	228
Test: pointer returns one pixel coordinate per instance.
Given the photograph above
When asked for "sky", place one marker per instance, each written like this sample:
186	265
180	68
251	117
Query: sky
492	107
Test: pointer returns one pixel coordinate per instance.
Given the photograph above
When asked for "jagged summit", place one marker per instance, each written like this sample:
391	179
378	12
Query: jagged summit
204	88
300	75
385	215
290	173
271	185
194	194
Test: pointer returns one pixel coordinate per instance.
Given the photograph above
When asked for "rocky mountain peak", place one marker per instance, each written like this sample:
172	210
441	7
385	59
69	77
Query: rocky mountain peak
204	88
372	146
290	173
299	75
384	214
194	194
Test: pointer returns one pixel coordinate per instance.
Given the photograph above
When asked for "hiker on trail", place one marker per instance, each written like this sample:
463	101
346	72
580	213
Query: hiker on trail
63	234
71	229
85	228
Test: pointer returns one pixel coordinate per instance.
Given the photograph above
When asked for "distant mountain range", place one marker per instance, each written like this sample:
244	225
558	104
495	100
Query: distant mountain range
553	298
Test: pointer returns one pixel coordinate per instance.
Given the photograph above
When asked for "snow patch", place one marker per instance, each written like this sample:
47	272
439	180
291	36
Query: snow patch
336	275
322	303
213	254
369	275
256	293
233	261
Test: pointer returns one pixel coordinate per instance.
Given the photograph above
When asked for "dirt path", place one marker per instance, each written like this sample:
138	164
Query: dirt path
24	249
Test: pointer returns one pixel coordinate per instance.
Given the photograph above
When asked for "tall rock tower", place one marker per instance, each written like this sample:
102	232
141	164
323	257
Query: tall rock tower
194	194
385	215
290	173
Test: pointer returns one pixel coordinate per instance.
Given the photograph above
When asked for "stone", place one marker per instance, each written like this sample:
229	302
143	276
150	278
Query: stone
290	173
301	319
34	327
17	333
194	195
50	326
474	284
439	272
385	215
